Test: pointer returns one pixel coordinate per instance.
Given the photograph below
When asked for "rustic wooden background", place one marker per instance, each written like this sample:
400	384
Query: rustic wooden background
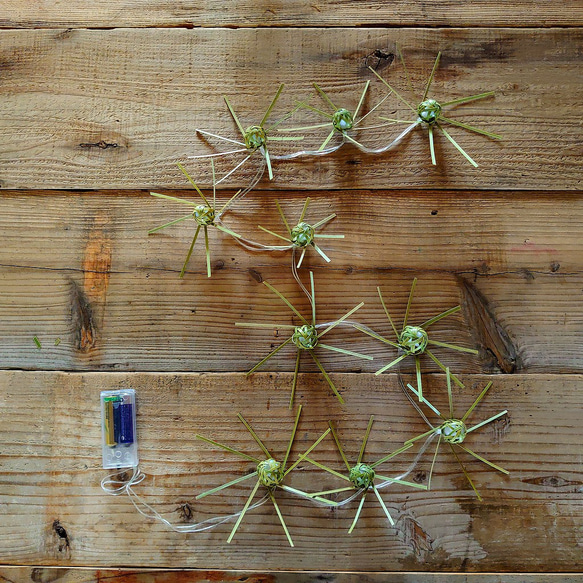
97	103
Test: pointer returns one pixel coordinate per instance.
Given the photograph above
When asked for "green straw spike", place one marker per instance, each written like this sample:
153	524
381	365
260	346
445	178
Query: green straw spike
281	120
337	440
285	301
352	140
344	351
304	209
402	482
302	255
325	97
460	100
431	145
313	298
227	231
268	162
226	205
326	469
413	285
295	379
357	513
227	448
430	80
442	367
308	495
427	433
316	110
449	395
493	418
465	472
458	147
234	116
375	335
188	255
292	437
291	542
419	380
424	400
274	234
470	128
227	485
365	439
475	403
310	449
245	508
431	321
154	230
382	503
361	100
479	457
411	88
328	379
320	252
261	325
300	129
340	320
208	251
393	120
324	221
433	462
397	94
254	435
325	142
272	353
387	312
391	364
395	453
214	185
453	347
282	215
270	108
183	170
334	491
174	198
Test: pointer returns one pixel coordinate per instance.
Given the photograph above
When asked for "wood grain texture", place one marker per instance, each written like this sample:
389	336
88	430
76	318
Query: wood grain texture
51	472
297	13
81	268
117	108
80	575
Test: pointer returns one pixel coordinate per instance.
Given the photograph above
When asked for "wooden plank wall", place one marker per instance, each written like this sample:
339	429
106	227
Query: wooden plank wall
98	103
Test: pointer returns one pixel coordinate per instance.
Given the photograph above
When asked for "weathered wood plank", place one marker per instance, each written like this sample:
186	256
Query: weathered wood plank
80	575
117	108
81	268
50	438
297	13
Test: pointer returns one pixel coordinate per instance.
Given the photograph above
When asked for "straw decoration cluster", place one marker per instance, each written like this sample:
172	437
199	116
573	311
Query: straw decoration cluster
412	340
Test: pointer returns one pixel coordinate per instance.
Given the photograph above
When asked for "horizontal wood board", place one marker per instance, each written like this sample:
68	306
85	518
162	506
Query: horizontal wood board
79	269
51	471
296	13
117	108
81	575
